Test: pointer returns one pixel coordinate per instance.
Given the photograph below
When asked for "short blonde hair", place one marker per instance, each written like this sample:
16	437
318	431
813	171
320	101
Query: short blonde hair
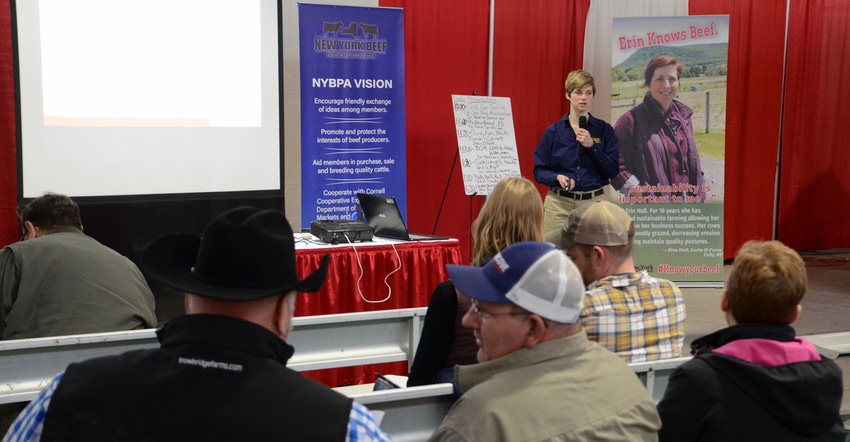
766	284
578	80
512	213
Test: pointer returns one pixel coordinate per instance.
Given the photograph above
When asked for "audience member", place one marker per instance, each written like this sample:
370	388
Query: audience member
59	281
538	376
756	381
512	213
220	373
637	316
577	155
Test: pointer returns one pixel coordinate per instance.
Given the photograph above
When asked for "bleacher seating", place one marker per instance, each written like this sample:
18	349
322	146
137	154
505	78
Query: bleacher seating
328	341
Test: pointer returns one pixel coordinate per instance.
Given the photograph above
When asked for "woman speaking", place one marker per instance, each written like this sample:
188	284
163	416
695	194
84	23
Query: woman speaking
658	155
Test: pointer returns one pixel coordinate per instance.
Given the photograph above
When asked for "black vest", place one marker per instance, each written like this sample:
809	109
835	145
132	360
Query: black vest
215	378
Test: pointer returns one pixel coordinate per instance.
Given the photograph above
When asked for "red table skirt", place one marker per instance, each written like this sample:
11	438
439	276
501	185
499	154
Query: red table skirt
349	289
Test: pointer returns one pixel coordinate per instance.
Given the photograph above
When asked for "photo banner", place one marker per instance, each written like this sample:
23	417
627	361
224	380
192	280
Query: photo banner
352	109
669	113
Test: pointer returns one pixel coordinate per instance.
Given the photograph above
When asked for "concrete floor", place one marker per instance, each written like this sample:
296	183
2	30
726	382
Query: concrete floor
826	306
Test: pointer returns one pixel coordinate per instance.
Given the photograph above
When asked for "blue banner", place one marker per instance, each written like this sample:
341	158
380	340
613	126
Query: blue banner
352	108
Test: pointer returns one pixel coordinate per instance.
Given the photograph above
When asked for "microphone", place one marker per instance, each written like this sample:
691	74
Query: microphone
582	124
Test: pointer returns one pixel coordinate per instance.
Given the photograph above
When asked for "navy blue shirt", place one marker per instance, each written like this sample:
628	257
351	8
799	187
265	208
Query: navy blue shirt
557	153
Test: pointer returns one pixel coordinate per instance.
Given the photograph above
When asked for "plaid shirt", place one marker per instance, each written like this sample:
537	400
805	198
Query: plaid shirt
637	316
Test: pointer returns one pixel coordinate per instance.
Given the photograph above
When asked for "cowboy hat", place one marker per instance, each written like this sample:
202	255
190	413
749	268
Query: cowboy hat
244	254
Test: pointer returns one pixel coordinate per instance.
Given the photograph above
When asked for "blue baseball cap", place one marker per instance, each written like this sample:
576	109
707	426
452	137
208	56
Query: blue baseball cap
536	276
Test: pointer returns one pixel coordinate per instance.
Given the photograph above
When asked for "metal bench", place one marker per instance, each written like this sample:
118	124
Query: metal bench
327	341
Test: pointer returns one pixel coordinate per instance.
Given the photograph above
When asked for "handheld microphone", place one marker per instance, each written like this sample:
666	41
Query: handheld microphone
582	124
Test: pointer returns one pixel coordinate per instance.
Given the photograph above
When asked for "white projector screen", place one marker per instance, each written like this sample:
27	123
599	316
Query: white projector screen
150	97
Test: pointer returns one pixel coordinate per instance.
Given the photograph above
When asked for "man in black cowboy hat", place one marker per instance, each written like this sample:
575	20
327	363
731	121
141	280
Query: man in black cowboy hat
220	373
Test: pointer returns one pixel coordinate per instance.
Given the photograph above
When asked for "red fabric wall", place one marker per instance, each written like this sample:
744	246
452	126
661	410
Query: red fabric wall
8	156
753	111
445	53
814	193
538	42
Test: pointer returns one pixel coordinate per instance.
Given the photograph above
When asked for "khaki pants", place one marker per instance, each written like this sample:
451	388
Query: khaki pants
557	209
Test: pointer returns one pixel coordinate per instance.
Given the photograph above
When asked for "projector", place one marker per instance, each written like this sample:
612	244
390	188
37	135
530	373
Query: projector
341	231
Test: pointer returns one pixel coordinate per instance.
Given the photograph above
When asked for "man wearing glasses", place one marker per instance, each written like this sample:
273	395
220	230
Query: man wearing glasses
538	376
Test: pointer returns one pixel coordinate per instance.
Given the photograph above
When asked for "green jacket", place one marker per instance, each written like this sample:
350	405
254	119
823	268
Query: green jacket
67	283
567	389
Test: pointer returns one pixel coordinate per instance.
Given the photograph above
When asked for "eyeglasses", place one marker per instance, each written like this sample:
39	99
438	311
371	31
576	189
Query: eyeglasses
484	314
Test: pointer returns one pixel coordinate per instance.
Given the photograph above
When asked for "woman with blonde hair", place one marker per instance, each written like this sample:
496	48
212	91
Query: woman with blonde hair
577	156
512	213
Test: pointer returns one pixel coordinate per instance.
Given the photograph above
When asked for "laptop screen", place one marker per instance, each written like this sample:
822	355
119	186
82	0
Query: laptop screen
382	214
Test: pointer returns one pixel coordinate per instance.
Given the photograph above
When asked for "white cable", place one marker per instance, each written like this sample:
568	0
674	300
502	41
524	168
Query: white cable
359	290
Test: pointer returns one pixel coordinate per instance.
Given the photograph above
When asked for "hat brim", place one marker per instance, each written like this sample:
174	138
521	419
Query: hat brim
169	260
556	237
472	282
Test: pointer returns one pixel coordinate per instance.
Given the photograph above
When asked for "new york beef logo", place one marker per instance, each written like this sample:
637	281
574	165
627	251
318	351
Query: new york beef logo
354	40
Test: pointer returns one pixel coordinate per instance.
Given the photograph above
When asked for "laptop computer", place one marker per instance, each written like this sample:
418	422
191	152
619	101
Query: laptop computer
382	214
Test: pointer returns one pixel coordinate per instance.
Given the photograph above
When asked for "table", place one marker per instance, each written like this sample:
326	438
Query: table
377	275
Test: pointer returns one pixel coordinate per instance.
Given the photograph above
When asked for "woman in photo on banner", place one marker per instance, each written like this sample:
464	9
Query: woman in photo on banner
658	154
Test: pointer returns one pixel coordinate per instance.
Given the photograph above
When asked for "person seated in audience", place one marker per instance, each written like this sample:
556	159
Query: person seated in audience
637	316
538	377
220	373
513	212
755	380
58	281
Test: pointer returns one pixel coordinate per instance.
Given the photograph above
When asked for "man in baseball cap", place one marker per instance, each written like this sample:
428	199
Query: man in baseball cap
637	316
220	373
537	371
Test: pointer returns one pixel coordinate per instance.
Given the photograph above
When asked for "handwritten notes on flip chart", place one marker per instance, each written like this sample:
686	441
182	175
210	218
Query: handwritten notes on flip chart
486	141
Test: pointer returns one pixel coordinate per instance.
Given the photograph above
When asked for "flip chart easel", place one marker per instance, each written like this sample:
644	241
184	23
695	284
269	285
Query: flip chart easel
486	141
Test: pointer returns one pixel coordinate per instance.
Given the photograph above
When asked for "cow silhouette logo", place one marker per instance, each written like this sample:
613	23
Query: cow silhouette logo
355	40
369	30
332	28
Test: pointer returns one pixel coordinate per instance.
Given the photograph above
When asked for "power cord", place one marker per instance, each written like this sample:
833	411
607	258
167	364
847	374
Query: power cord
360	278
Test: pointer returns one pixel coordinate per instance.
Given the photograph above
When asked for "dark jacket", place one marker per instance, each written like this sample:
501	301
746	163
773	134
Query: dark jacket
659	149
444	342
215	378
558	153
737	388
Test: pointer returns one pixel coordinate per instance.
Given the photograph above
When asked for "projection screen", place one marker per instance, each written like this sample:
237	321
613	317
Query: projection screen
152	97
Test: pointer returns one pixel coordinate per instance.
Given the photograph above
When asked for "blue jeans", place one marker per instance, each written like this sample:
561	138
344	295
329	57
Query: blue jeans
448	375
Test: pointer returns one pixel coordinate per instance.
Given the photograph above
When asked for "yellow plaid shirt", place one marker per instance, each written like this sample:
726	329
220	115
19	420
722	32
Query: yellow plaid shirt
637	316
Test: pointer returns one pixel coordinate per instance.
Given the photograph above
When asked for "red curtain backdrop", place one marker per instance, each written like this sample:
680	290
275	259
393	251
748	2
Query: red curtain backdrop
753	111
537	43
446	53
814	191
8	157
